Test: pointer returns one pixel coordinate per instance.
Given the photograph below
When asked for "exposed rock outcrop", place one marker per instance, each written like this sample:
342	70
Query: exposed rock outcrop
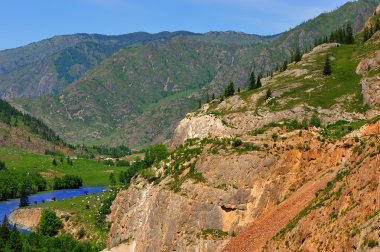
199	127
371	90
238	189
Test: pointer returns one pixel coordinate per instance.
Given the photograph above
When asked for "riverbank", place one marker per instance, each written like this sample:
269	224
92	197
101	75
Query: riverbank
28	218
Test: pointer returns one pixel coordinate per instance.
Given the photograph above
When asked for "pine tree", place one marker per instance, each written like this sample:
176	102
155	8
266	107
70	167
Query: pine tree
230	90
199	104
349	35
238	90
213	96
15	243
285	66
258	83
327	68
112	179
252	81
297	55
4	230
268	94
24	200
54	162
2	166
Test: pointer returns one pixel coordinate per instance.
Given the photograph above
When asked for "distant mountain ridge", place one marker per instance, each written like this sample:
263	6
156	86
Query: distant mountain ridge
140	93
51	65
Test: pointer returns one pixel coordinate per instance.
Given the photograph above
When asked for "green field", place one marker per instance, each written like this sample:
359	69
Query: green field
85	218
92	172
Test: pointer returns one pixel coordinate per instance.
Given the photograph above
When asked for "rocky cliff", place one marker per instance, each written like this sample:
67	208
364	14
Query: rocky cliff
293	165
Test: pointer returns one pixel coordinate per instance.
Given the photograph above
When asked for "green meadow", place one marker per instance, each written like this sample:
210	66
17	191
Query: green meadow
92	172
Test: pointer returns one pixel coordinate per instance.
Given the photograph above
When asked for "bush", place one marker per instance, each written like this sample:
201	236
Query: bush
67	182
2	166
148	174
81	233
315	121
156	154
49	224
123	163
108	162
237	142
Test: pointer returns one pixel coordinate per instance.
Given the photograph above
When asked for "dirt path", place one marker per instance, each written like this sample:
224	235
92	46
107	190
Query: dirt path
269	224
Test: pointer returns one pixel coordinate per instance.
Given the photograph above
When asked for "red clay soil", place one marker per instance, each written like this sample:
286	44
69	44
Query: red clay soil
275	219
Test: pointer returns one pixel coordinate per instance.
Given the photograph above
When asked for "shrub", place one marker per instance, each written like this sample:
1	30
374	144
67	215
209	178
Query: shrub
2	166
156	154
123	163
49	224
108	162
67	182
237	142
81	233
148	174
315	121
275	137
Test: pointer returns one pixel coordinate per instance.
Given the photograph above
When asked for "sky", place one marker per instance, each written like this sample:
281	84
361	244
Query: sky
26	21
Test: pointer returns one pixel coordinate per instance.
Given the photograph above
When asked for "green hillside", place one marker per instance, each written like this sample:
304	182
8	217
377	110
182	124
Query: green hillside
51	65
137	96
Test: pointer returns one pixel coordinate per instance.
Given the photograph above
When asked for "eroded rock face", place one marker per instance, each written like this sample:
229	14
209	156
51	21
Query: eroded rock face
377	10
366	65
160	220
199	127
371	90
239	188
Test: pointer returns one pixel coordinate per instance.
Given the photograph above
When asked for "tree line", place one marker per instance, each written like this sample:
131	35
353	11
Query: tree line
67	182
153	155
11	240
342	35
11	116
21	184
15	184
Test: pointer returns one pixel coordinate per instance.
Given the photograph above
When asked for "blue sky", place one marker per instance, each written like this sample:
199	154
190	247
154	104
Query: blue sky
26	21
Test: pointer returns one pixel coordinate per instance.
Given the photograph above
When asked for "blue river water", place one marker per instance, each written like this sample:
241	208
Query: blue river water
7	207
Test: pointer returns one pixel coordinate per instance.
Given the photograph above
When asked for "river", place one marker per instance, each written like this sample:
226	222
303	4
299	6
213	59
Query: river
8	206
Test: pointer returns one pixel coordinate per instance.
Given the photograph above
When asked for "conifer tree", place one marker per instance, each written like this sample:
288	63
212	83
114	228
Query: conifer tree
285	65
327	67
24	199
258	83
252	81
4	230
112	179
268	94
230	90
297	55
213	96
349	35
15	243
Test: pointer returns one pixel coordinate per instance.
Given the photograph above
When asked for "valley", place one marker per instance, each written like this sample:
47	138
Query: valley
181	141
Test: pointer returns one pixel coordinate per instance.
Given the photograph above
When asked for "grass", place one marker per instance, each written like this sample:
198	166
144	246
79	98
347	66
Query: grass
323	91
92	172
212	234
85	217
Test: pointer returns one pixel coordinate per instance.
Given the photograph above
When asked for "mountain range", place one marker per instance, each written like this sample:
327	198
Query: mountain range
133	89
